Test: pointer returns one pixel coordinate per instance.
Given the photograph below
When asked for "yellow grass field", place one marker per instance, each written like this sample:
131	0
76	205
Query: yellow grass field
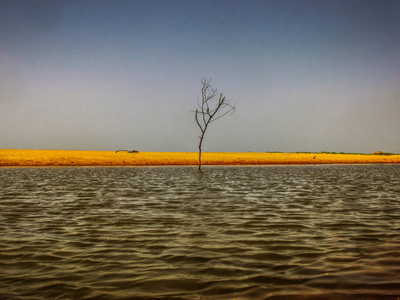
28	158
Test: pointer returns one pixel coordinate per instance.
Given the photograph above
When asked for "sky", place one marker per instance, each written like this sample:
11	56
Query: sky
107	75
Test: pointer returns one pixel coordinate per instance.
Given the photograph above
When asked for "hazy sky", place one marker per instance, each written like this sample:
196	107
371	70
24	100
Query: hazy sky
108	75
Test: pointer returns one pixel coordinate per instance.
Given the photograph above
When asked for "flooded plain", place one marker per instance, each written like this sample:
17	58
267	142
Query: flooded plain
273	232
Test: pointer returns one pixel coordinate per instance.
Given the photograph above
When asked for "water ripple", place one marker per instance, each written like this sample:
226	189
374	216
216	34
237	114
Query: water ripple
319	232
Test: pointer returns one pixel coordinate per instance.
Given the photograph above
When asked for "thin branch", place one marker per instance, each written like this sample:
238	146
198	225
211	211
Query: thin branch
197	120
231	111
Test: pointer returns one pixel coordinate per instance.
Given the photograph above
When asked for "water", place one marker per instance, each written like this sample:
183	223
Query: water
282	232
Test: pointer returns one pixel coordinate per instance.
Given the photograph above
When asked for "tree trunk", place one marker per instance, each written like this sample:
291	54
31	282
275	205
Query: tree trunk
201	141
200	157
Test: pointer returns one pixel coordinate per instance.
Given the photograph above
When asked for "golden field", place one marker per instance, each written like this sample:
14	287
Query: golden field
28	158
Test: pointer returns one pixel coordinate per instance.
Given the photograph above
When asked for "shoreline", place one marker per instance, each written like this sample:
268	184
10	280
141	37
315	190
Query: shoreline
60	158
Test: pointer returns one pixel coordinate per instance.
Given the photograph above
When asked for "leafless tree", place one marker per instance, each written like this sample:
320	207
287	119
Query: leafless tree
213	106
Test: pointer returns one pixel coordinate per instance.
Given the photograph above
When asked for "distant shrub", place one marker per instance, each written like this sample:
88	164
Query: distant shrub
383	153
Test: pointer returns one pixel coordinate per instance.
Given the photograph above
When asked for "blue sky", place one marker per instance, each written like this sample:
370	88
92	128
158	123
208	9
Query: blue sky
108	75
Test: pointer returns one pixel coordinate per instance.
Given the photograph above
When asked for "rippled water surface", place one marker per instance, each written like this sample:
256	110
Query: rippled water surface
276	232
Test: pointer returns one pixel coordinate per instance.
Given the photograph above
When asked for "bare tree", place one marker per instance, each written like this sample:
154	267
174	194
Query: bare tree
212	107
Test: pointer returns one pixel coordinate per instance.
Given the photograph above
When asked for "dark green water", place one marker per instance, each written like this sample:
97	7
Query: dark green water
277	232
